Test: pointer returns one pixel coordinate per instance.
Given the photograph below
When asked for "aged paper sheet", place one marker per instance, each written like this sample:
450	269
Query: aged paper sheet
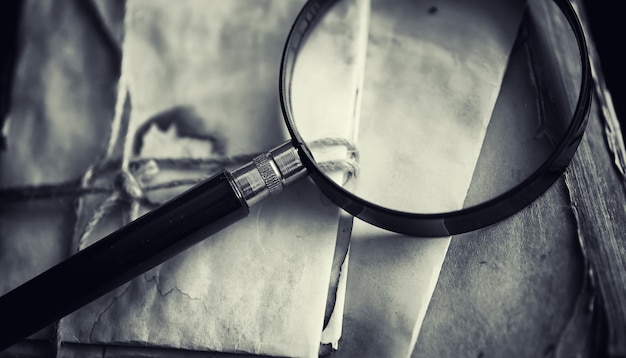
391	278
200	79
434	71
61	105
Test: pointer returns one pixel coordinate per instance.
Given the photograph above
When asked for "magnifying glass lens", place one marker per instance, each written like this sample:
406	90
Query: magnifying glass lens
437	110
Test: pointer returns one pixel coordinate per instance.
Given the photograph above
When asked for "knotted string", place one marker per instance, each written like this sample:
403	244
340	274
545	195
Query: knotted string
130	185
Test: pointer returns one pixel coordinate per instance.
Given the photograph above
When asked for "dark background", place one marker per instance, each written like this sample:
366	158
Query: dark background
608	26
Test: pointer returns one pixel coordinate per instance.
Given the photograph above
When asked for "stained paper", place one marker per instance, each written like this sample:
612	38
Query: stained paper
199	79
215	72
325	95
61	104
433	73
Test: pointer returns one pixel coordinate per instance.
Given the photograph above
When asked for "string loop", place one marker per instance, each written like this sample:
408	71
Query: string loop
133	184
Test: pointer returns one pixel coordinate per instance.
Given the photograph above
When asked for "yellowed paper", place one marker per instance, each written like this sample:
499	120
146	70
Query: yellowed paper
325	95
60	105
433	70
261	285
386	299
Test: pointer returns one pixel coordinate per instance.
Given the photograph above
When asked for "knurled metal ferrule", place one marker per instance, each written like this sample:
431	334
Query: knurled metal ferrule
269	173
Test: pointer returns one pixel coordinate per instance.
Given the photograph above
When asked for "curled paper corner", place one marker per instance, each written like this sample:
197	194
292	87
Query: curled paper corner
331	334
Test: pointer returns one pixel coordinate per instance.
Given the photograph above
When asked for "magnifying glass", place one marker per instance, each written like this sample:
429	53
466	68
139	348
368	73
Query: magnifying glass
517	153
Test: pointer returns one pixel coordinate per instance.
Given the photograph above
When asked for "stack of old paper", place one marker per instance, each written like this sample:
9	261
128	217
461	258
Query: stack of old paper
432	76
61	105
199	79
433	70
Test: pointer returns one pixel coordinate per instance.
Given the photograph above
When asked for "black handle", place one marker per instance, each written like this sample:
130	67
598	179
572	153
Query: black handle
119	257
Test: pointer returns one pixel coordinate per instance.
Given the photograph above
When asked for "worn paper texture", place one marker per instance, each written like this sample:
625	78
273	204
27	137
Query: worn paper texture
433	72
511	289
201	80
61	104
391	277
325	107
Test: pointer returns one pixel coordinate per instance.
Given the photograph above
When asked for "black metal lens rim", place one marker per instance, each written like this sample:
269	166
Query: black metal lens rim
454	222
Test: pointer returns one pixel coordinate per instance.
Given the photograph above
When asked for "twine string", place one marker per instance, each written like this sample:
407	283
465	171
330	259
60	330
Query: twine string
132	184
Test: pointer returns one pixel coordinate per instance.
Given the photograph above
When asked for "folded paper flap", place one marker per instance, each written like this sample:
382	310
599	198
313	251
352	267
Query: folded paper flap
60	105
199	85
53	139
432	78
234	291
322	105
179	293
222	59
434	71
